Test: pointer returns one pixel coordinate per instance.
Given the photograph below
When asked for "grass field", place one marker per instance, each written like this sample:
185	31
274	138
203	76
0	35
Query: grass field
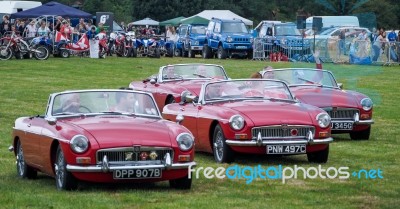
26	84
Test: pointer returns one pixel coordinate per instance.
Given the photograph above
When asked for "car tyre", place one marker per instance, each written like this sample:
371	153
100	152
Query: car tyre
181	183
221	53
222	152
24	170
206	53
319	156
64	179
361	135
191	53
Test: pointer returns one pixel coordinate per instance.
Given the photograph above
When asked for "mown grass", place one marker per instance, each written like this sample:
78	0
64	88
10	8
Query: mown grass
26	84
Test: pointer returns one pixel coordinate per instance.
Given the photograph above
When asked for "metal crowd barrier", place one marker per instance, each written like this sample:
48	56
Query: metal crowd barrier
353	51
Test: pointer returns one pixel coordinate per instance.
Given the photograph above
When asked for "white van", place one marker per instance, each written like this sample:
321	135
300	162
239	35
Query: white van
9	7
334	21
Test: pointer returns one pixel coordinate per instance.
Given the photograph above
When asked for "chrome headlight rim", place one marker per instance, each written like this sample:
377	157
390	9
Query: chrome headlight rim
180	140
229	39
236	122
366	104
79	144
323	120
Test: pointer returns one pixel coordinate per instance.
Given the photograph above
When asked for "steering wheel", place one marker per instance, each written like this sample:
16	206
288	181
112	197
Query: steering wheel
84	108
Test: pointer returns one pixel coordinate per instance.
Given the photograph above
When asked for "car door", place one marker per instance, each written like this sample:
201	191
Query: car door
216	32
31	141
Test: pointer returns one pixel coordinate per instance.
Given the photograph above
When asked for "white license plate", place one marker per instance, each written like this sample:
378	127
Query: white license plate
137	173
342	126
241	47
286	149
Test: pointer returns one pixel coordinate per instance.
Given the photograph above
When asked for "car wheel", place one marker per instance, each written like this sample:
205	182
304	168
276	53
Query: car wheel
64	179
24	170
221	53
191	53
206	53
361	135
319	156
222	152
177	52
182	183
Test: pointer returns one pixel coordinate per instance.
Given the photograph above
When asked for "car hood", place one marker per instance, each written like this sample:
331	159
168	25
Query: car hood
325	97
111	131
274	113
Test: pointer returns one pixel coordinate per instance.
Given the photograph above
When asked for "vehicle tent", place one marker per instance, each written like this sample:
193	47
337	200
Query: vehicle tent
51	9
222	14
174	22
145	21
195	20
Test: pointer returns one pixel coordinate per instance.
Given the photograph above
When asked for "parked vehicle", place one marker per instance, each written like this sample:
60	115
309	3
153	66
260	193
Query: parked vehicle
113	136
253	116
130	44
117	44
282	37
351	111
65	47
12	44
148	46
168	85
226	38
10	7
191	39
334	21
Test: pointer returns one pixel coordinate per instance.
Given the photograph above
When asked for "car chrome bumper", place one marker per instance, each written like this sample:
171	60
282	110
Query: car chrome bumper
106	167
364	122
278	142
196	48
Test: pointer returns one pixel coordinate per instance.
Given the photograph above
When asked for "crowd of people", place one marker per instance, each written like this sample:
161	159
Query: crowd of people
47	27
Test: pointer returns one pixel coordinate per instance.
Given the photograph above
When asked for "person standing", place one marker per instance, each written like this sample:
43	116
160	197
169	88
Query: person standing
43	30
5	25
362	43
378	45
342	41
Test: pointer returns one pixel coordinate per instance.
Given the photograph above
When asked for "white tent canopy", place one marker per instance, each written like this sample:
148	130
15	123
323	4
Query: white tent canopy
145	21
222	14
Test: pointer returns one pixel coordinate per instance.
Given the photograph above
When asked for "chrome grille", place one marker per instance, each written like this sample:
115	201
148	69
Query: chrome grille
342	113
282	131
132	154
241	39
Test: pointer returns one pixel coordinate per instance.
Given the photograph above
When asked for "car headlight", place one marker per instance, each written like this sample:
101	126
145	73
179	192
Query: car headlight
79	143
236	122
229	39
283	41
185	141
323	120
367	104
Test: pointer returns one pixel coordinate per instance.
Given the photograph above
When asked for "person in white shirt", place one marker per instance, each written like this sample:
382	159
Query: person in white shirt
43	30
31	29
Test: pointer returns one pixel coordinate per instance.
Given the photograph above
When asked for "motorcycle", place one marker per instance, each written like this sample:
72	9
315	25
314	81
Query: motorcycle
103	47
166	48
64	47
22	48
130	44
116	44
149	47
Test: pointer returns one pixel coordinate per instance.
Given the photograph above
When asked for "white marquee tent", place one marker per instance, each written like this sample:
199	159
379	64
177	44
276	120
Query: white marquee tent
145	21
222	14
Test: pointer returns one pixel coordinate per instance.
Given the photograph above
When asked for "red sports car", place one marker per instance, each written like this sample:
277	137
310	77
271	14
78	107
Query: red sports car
253	116
103	136
351	112
172	80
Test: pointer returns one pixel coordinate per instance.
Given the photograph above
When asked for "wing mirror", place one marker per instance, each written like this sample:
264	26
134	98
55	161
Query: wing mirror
187	97
51	120
153	81
340	85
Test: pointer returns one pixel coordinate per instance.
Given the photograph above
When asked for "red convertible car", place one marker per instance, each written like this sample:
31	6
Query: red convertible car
172	80
103	136
253	116
351	112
